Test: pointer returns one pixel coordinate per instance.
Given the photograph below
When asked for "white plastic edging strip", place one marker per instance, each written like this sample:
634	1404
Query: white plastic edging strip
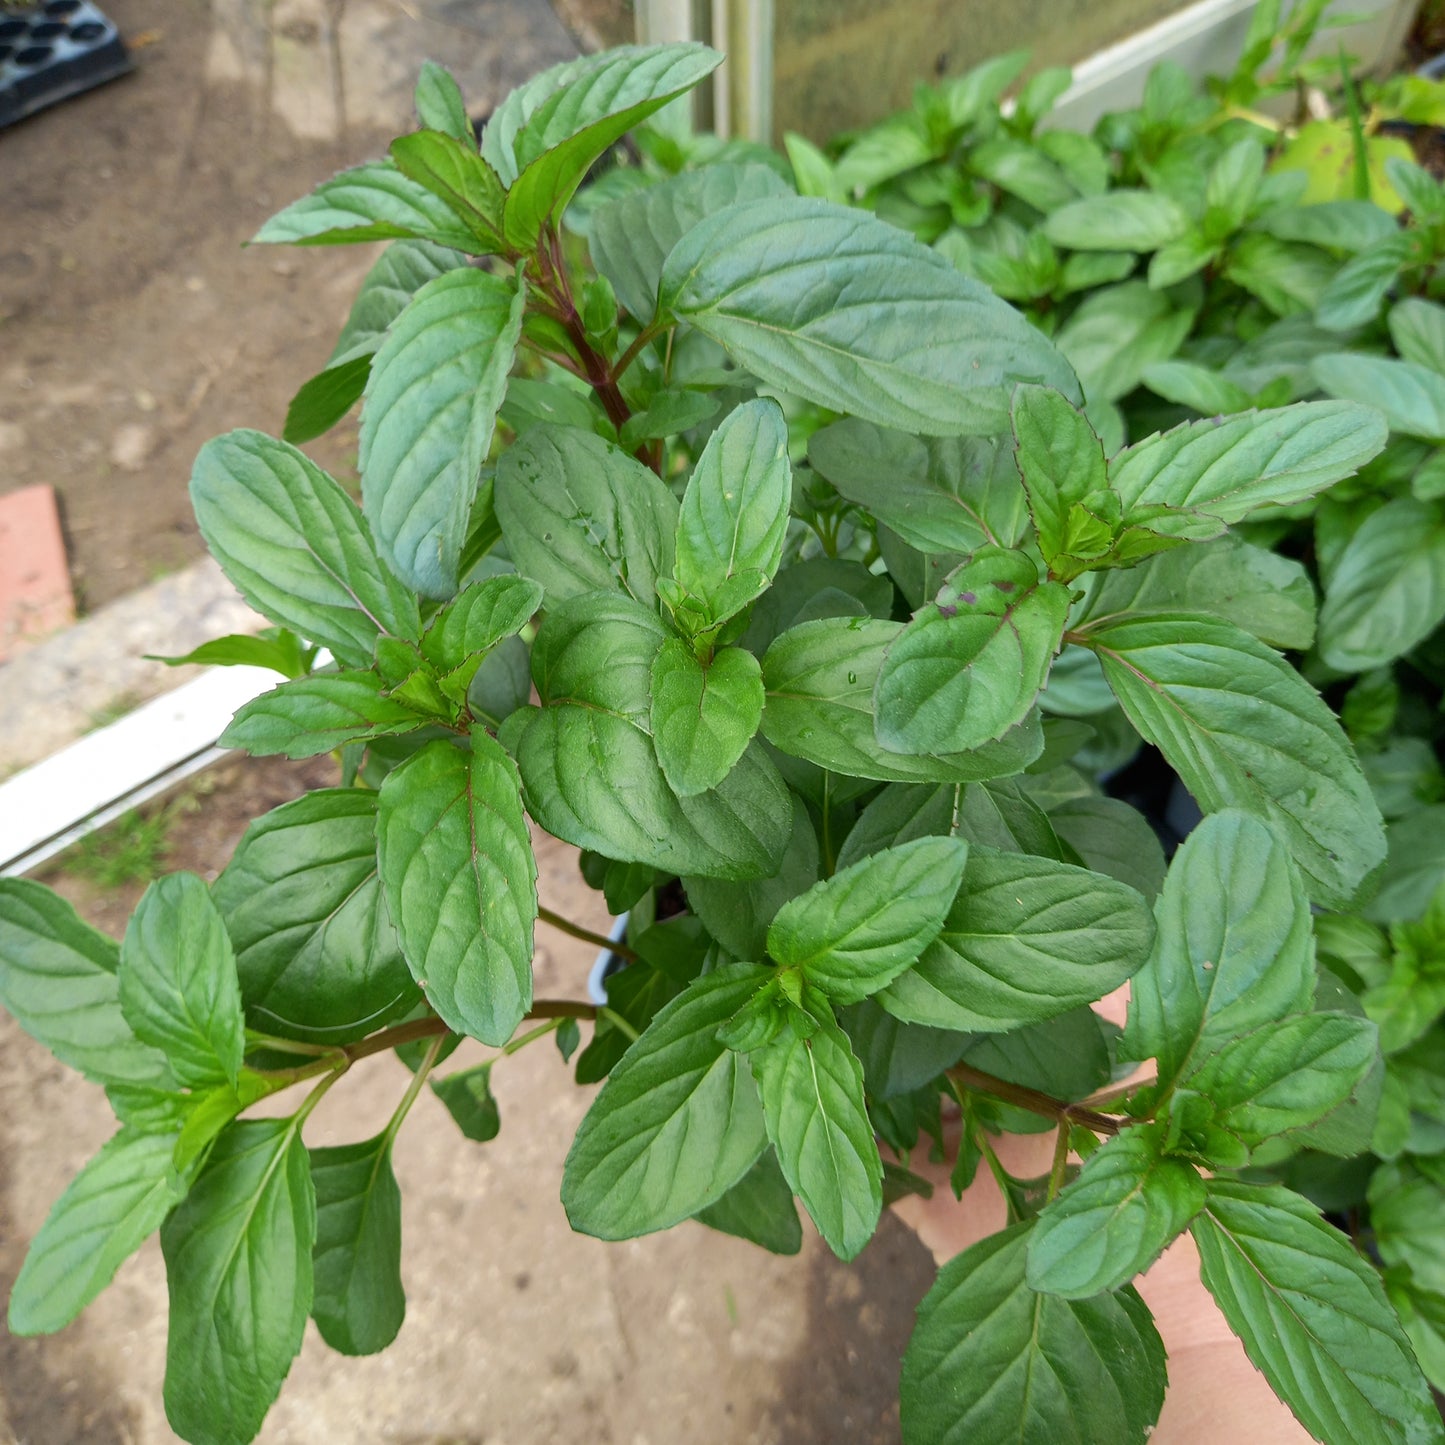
1205	39
50	806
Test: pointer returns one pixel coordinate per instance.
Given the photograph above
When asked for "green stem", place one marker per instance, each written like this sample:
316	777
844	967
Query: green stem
541	1031
619	1023
341	1059
830	857
565	925
1115	1091
1061	1160
1000	1175
418	1079
288	1046
646	336
315	1097
407	1033
1033	1100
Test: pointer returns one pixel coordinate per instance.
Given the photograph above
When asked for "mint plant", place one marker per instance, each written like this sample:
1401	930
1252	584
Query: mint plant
837	592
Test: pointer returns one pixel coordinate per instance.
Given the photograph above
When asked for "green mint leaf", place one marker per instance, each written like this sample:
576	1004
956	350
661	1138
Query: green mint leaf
536	403
1115	1219
634	994
1181	259
371	202
1188	384
703	717
297	546
812	1093
567	1037
1108	836
760	1020
990	1359
1409	999
1419	190
1417	327
758	1208
316	951
969	665
1284	1075
1286	278
1244	730
1124	220
1062	463
631	237
1025	940
1234	949
498	140
58	981
325	399
1228	466
440	105
1269	596
460	880
461	634
939	494
790	288
275	647
598	649
738	914
1001	814
1116	334
898	1058
468	1097
1406	1198
455	174
1067	1057
677	1123
1313	1317
359	1303
1019	169
568	131
1422	1313
900	813
579	514
1414	867
420	466
593	779
734	514
815	588
1357	290
669	412
207	1113
820	679
238	1264
1336	225
110	1209
1234	182
404	268
858	930
1386	592
178	987
1412	397
315	715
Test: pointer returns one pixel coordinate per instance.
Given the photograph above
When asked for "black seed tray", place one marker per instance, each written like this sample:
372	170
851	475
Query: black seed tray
53	50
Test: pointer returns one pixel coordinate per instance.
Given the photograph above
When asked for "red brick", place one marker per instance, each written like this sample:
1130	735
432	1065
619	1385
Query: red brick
35	595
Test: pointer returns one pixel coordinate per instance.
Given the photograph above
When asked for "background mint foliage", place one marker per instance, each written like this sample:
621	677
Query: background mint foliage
811	541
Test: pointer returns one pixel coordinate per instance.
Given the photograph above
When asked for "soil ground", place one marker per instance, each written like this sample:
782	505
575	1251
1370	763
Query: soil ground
517	1330
133	324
